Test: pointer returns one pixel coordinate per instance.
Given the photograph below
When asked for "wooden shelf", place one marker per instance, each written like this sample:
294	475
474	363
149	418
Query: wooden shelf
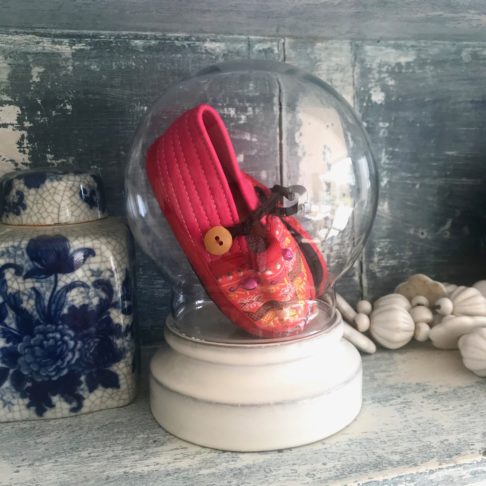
328	19
423	421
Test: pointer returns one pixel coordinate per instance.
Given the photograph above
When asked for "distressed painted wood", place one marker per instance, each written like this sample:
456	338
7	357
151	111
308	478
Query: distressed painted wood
76	99
332	61
423	105
329	19
421	424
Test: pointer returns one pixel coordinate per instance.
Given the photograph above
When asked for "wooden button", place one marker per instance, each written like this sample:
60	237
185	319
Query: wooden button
218	240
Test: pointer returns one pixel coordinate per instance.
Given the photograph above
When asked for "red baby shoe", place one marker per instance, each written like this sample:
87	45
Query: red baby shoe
307	244
256	262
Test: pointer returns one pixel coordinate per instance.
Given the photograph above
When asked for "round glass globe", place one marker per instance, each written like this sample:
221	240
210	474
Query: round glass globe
288	127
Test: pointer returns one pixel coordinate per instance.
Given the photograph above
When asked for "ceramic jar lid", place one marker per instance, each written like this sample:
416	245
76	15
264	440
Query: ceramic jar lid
48	197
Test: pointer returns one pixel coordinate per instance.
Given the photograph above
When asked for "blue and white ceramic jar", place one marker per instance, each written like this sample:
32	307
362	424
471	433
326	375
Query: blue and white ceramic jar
66	316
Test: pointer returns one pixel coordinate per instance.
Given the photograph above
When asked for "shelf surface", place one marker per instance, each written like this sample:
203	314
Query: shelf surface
423	421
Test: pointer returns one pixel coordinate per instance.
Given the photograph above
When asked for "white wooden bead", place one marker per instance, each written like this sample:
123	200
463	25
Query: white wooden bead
468	301
362	342
392	299
446	334
421	314
364	307
481	286
362	322
345	309
422	330
473	350
420	300
392	326
444	306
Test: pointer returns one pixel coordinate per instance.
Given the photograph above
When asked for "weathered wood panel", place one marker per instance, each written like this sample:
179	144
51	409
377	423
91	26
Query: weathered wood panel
332	61
424	109
422	423
328	19
76	99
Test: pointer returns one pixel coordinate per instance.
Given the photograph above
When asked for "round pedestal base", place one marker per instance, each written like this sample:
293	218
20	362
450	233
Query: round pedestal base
256	397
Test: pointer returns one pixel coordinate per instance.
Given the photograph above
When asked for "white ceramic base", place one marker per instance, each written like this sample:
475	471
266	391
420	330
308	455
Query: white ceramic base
256	397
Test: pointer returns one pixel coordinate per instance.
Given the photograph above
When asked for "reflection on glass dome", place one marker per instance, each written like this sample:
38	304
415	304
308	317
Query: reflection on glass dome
301	183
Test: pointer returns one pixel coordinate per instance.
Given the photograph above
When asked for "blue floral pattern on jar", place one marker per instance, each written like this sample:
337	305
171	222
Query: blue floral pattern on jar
64	337
14	204
92	194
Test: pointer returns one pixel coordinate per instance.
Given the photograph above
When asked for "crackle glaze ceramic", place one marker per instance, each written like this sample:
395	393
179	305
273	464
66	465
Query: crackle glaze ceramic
66	318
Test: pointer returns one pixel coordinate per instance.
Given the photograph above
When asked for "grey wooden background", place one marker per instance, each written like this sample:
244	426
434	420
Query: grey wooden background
76	77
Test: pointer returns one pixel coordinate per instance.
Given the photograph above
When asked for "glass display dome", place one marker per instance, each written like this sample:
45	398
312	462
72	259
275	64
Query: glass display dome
253	188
